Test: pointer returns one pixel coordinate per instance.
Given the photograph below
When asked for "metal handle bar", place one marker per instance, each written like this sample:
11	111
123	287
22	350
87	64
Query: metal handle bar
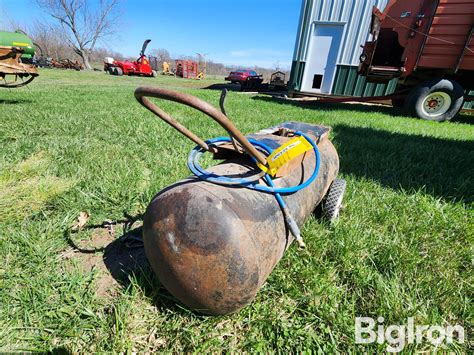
143	92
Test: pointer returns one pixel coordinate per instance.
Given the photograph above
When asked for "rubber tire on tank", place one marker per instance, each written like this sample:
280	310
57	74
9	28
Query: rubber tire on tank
119	71
414	100
332	202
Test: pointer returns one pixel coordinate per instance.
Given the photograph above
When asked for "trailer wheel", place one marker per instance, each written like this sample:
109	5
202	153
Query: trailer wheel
435	100
332	202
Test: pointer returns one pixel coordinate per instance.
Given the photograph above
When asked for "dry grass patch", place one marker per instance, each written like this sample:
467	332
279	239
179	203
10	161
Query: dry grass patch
26	187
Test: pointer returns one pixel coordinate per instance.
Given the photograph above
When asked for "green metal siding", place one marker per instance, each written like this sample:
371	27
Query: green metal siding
348	83
297	67
469	104
296	76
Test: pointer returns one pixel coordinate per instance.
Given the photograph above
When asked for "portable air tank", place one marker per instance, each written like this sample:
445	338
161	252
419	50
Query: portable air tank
213	238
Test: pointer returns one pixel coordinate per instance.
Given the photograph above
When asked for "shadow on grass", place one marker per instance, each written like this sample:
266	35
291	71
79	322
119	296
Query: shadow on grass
334	106
440	167
262	88
14	102
331	106
220	87
61	350
125	256
464	118
126	261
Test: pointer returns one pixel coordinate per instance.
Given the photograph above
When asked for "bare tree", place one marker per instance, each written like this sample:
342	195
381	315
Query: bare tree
277	66
161	55
49	42
83	25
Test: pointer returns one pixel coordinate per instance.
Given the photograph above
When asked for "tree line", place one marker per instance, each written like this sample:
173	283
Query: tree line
79	28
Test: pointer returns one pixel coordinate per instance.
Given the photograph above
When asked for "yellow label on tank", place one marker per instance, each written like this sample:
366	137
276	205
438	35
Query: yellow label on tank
20	44
284	153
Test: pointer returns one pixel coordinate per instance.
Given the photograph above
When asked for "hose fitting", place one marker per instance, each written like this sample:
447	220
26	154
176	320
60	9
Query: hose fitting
293	227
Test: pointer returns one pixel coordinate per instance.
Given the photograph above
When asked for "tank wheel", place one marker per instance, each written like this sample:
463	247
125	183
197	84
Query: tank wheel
119	71
332	202
154	73
435	100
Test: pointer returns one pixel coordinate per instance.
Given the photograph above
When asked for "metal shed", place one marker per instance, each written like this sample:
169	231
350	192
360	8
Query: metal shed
328	46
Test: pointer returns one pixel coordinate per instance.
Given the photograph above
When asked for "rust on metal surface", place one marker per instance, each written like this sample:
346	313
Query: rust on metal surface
67	64
213	246
410	35
11	66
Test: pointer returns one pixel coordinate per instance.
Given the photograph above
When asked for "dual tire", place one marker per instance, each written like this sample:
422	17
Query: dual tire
433	100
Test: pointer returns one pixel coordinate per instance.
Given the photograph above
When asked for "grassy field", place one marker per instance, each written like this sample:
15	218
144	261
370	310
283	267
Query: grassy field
73	142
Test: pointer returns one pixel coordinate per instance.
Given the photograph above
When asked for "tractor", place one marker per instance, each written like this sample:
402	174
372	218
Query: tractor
141	66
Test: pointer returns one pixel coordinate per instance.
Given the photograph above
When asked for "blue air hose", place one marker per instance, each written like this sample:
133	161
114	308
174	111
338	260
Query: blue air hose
196	169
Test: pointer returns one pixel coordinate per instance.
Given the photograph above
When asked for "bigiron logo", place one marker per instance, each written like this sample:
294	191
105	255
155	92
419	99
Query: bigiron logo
397	336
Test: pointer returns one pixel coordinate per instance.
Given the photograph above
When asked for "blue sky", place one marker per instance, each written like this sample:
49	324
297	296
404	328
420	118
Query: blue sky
244	32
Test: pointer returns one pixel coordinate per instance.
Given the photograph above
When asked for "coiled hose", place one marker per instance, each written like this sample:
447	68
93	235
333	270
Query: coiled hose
249	183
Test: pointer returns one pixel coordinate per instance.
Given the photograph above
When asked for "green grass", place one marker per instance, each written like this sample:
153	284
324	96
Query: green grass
74	142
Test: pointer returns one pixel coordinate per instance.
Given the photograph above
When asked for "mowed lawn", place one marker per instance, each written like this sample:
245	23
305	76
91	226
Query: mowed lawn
78	141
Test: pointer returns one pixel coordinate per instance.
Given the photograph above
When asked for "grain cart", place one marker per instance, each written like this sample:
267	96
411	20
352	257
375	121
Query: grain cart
428	46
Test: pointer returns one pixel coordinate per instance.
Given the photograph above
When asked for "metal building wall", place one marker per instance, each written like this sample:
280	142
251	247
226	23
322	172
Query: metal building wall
357	15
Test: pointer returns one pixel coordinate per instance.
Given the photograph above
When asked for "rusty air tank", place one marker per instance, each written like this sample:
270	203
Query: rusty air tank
212	244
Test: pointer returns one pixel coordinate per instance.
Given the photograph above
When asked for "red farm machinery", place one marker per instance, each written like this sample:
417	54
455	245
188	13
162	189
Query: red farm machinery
189	69
428	46
141	66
